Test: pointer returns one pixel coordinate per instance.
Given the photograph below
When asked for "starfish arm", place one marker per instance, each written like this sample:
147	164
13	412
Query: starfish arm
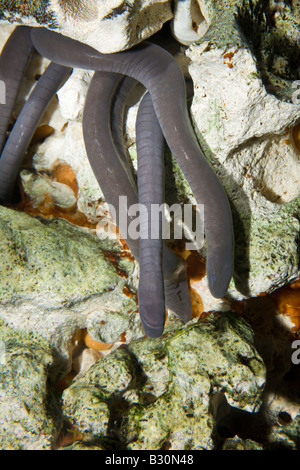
119	112
100	137
102	154
158	72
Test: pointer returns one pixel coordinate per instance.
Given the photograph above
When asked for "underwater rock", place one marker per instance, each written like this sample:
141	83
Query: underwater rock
56	280
191	19
236	443
244	111
244	107
93	22
30	417
284	416
152	394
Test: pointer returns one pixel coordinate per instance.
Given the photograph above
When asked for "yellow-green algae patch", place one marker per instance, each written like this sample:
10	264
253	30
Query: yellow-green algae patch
154	392
267	247
29	414
52	258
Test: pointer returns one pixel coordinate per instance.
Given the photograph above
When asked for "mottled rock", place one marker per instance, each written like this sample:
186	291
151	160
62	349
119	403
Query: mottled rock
108	26
40	256
284	418
153	393
30	416
239	444
55	279
243	109
191	19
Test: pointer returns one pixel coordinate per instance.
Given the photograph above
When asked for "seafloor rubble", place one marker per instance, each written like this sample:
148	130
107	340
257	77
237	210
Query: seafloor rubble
230	378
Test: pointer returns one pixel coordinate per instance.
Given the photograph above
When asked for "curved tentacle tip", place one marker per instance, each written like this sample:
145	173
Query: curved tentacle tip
152	313
218	280
154	330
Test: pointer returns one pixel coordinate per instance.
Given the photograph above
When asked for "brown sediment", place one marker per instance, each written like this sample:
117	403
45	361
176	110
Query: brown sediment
282	301
295	133
96	345
287	300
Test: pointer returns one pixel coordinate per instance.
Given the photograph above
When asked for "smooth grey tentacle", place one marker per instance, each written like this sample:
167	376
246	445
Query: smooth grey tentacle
159	73
118	123
102	154
177	294
14	58
26	123
150	178
114	182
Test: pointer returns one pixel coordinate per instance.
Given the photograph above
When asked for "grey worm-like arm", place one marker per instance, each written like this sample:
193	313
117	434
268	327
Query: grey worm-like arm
158	72
150	179
103	158
118	117
25	125
14	59
176	287
111	174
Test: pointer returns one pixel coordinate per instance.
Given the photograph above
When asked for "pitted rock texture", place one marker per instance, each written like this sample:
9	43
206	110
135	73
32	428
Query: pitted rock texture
30	416
108	26
153	393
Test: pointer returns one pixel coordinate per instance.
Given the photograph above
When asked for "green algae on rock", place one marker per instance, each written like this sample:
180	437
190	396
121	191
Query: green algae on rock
153	393
239	444
50	258
30	417
273	244
56	278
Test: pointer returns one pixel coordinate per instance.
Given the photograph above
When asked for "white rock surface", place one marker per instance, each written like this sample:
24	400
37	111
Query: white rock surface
191	20
107	25
233	111
245	133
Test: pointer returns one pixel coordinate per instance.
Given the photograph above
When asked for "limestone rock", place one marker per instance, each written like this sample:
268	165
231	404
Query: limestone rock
55	280
108	26
191	19
239	444
155	393
284	415
243	110
40	257
30	416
